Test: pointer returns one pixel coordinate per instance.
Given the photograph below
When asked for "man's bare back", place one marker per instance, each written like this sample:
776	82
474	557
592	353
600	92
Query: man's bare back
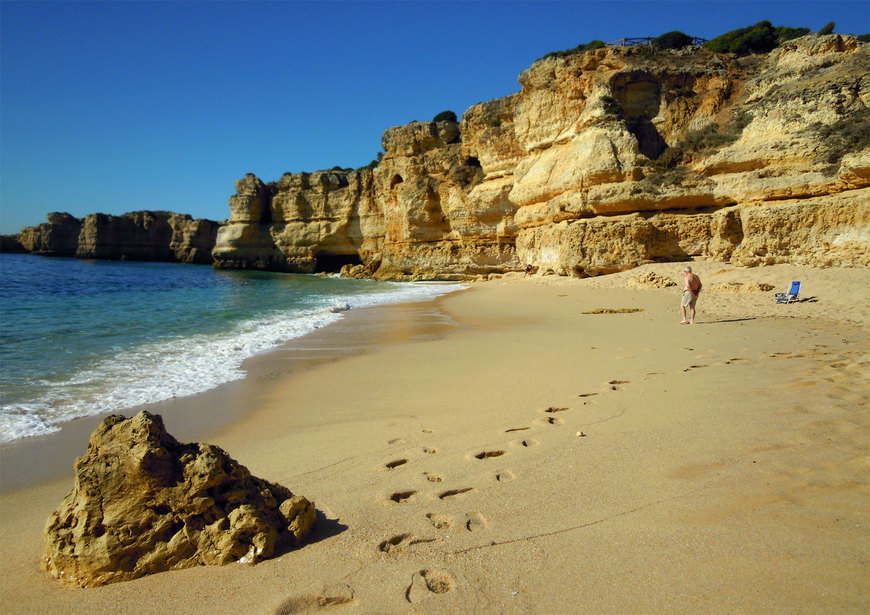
690	295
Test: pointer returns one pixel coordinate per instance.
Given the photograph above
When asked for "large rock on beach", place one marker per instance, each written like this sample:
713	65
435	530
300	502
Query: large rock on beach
144	503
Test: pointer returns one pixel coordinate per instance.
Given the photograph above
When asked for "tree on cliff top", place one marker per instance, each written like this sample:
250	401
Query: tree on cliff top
672	40
760	38
445	116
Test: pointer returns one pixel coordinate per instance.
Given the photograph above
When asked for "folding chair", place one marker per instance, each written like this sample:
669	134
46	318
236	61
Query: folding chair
791	295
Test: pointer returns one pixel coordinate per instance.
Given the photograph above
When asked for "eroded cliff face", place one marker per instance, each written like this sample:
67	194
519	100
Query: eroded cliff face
140	235
416	215
603	161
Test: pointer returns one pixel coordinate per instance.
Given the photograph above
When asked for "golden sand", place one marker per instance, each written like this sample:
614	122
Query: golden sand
542	460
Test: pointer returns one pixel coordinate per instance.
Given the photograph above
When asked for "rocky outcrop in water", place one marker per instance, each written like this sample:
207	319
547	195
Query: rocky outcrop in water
57	237
603	161
144	503
140	236
10	244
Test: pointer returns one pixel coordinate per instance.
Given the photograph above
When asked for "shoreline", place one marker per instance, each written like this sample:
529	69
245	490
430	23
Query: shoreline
23	462
542	456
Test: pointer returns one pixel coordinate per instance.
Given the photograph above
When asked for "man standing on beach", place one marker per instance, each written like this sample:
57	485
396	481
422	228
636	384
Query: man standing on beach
690	295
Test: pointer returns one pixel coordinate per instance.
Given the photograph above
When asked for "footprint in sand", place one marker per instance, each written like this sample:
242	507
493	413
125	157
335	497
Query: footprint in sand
552	410
432	477
526	442
474	522
401	543
488	454
396	441
396	463
517	429
552	420
694	367
453	492
439	522
587	394
335	595
613	384
504	476
403	497
426	584
430	451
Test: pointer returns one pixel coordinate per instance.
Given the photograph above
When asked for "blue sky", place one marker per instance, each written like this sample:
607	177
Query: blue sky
122	106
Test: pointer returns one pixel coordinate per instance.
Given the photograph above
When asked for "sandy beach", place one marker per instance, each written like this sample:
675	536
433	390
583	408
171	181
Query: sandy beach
532	457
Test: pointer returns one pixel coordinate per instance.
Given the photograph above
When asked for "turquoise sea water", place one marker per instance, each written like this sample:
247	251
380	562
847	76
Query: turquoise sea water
84	337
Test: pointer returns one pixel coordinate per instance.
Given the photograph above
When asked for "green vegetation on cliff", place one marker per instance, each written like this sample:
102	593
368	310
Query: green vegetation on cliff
760	38
672	40
445	116
596	44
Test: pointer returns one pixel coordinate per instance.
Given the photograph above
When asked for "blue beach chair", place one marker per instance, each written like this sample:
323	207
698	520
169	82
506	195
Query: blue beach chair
791	295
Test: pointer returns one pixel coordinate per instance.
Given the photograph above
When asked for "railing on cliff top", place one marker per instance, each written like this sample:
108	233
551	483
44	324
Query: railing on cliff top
697	41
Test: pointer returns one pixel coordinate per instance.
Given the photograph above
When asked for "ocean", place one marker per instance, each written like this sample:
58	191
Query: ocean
81	337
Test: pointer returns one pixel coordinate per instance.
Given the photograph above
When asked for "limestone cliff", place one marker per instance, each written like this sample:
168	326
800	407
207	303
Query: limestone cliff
603	161
57	237
140	235
415	215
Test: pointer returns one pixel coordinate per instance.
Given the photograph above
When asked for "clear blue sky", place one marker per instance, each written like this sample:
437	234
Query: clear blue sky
121	106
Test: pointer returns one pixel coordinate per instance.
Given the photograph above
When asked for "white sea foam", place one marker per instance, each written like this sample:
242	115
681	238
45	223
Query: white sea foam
186	365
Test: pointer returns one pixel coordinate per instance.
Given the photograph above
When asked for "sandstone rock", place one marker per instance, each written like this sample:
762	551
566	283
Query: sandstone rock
737	287
603	161
140	235
57	237
821	232
144	503
192	240
11	244
651	279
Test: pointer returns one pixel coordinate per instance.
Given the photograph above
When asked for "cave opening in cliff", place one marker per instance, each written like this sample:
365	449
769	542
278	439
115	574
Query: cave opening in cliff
649	141
639	95
471	161
397	179
328	262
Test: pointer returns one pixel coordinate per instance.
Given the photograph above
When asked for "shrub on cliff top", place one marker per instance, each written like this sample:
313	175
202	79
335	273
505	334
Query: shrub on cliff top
596	44
445	116
760	38
864	38
672	40
829	27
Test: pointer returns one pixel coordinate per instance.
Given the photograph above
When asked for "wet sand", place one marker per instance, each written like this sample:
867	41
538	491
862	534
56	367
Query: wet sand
541	459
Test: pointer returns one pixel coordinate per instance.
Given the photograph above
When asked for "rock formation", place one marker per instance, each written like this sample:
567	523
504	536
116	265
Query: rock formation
604	160
57	237
144	503
11	244
140	235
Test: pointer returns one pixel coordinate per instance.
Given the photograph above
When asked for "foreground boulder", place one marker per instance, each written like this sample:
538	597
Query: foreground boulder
144	503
